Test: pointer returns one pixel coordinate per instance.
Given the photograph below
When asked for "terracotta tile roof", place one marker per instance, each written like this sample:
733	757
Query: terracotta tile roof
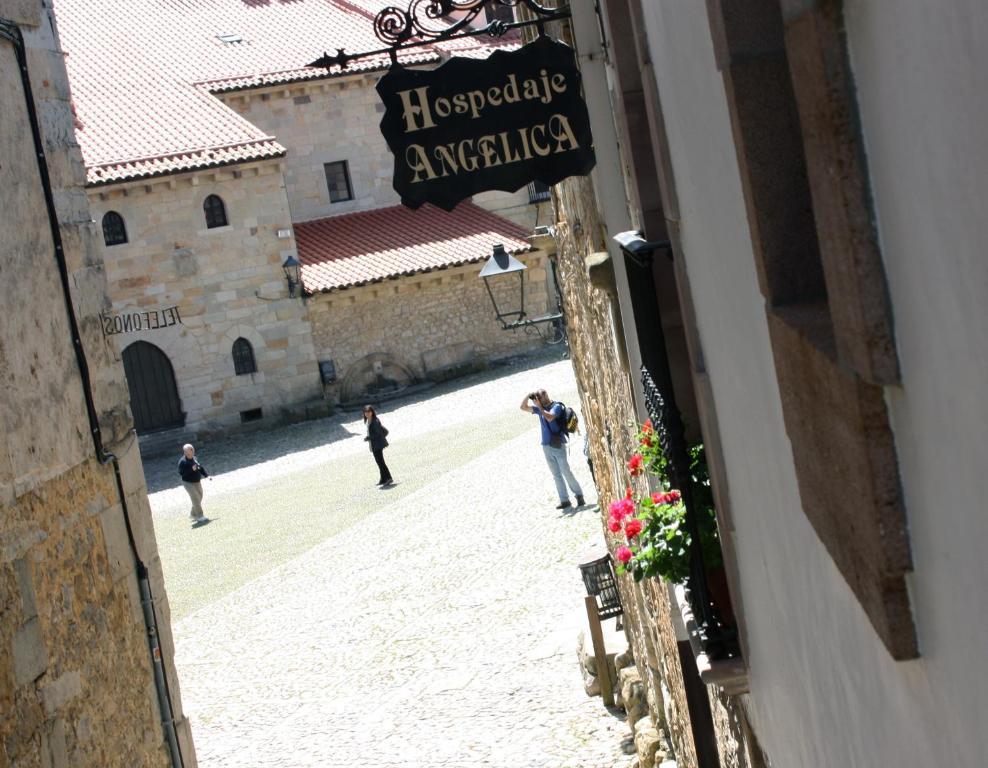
366	247
143	73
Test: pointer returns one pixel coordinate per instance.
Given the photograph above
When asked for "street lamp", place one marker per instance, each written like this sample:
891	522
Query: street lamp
293	269
501	266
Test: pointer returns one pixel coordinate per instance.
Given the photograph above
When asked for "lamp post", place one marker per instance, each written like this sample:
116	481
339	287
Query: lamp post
501	266
293	274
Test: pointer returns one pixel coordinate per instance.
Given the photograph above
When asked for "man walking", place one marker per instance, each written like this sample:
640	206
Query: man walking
554	445
192	473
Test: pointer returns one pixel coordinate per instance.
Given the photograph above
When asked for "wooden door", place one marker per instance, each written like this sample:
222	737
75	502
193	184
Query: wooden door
153	392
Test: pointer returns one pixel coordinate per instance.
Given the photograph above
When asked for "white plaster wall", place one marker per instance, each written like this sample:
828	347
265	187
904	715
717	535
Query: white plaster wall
824	691
920	70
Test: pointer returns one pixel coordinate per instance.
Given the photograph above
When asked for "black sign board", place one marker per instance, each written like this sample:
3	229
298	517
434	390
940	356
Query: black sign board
473	125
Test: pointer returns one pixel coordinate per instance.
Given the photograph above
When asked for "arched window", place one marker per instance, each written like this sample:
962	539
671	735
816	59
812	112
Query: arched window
114	231
243	357
215	212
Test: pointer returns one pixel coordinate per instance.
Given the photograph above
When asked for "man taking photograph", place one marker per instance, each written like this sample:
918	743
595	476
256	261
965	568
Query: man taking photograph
554	445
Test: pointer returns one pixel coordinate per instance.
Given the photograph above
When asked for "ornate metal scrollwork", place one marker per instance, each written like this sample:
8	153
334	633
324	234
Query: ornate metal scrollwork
429	21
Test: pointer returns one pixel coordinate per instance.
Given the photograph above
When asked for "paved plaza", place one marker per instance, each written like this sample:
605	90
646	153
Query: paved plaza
320	621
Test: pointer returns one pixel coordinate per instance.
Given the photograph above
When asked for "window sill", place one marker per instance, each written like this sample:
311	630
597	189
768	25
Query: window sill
730	675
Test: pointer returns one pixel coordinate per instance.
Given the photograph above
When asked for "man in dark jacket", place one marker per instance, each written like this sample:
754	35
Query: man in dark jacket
192	473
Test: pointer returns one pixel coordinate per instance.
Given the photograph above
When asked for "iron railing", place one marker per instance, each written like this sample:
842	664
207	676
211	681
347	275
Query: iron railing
718	640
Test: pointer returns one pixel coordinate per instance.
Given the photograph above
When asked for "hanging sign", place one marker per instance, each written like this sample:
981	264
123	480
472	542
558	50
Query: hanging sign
473	125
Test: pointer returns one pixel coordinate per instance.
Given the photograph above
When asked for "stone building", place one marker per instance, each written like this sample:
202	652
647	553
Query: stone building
81	590
808	181
207	139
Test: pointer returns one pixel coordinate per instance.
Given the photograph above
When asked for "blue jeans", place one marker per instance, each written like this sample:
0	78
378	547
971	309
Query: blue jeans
561	473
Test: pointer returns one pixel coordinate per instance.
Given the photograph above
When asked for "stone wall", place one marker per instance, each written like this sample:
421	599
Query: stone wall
227	283
597	340
428	326
76	683
339	119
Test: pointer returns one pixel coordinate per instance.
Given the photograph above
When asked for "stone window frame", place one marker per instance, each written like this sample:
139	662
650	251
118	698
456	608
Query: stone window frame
793	110
214	209
244	361
114	229
341	170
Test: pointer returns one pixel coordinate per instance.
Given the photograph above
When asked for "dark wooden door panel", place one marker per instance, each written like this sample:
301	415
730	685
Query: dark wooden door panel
153	391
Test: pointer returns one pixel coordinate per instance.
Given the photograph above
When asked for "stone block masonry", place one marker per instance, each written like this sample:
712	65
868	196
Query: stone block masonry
227	283
422	325
609	416
338	120
76	683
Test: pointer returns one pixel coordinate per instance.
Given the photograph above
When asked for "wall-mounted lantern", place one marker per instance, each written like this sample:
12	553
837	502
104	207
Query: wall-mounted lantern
293	273
508	273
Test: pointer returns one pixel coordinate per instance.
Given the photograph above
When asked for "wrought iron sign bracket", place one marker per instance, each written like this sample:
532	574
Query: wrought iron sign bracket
424	23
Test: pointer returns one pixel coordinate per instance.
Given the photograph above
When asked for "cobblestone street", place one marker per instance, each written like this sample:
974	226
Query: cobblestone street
320	621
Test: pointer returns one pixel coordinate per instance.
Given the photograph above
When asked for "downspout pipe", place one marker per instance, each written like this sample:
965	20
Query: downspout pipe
11	32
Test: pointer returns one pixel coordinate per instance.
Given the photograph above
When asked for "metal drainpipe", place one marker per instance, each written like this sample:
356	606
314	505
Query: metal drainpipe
11	32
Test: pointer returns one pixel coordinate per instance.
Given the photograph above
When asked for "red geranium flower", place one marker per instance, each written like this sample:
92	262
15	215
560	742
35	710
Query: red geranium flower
626	507
647	426
636	464
627	492
623	554
617	510
614	525
666	498
633	527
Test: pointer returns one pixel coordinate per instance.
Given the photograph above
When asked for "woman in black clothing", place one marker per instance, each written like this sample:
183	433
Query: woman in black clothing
377	435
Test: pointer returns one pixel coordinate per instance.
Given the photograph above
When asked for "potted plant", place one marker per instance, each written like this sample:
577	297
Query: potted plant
655	526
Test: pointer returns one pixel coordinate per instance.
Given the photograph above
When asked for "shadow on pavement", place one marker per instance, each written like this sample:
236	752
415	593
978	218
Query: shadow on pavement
227	454
576	510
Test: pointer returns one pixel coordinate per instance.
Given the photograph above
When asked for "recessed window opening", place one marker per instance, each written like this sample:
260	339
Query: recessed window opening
338	181
215	212
114	230
254	414
243	357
